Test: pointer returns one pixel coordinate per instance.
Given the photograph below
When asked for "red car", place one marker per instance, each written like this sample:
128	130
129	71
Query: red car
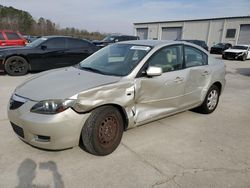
11	38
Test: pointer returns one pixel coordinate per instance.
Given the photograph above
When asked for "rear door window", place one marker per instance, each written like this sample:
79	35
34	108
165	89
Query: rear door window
12	36
74	43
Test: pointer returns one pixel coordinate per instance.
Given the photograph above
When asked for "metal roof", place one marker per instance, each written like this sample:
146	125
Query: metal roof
193	20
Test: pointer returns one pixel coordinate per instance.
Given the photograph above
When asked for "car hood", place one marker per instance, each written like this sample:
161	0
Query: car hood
235	50
62	83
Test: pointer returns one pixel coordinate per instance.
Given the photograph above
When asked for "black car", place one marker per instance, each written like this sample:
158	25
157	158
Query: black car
45	53
113	39
219	48
197	42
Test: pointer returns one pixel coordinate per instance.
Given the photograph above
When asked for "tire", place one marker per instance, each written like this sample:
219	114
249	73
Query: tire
244	57
223	57
102	132
16	66
210	102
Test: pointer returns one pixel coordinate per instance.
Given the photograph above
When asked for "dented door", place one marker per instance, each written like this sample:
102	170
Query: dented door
158	96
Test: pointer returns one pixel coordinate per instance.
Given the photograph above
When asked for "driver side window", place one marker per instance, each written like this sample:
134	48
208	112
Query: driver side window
169	58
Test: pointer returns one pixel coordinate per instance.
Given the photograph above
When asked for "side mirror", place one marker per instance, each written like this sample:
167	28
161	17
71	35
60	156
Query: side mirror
43	47
154	71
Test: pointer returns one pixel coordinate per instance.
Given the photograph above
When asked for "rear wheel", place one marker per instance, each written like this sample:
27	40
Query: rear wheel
16	66
103	131
210	102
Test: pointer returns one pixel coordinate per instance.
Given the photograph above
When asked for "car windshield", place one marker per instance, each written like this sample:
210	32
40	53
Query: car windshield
240	47
109	39
221	45
115	60
37	42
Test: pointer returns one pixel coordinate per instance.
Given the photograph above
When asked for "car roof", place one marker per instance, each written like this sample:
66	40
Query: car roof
150	42
192	40
56	36
118	35
61	36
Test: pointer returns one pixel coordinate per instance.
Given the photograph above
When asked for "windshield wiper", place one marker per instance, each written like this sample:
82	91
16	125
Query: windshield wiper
92	70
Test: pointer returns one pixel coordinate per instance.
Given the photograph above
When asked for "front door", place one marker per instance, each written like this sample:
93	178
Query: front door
159	96
52	54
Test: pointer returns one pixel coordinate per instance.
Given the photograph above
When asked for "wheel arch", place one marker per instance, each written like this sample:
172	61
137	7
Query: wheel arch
18	55
122	112
219	85
119	108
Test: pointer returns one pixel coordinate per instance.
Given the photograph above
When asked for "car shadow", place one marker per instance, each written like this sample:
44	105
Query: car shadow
243	71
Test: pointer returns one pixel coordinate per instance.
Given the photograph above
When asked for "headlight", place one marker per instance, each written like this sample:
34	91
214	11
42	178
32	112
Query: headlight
241	53
52	106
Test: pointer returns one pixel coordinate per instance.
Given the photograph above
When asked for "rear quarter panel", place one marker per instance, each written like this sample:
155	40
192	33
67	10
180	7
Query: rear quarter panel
218	71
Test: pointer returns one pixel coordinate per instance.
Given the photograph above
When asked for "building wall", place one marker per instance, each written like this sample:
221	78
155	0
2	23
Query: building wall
212	31
216	31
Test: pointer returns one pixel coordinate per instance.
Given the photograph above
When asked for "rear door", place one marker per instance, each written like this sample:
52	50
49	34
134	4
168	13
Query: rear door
199	75
158	96
77	50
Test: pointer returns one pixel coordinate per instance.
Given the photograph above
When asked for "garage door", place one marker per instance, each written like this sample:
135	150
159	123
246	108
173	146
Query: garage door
244	36
142	33
171	33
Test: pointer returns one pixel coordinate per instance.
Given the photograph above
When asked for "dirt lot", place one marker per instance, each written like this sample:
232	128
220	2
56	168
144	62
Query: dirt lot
184	150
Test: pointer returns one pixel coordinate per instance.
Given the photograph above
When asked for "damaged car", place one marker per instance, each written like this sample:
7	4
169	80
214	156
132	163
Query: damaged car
238	52
122	86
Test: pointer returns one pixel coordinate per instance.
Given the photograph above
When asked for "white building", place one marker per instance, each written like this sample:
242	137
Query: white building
234	30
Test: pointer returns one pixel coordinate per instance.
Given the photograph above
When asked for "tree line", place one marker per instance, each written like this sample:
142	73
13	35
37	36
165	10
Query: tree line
22	21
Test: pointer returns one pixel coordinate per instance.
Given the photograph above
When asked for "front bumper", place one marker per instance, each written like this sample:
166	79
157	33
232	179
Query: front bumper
59	131
231	55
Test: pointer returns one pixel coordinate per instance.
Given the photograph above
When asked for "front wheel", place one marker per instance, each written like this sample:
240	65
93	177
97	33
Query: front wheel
16	66
244	57
102	132
210	102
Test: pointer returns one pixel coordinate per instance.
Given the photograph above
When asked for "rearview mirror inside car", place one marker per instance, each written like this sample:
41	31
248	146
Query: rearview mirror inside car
154	71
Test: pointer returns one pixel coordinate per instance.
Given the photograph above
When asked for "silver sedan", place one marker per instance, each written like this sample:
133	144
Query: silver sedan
119	87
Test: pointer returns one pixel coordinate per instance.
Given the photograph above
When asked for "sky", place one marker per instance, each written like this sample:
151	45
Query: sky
118	16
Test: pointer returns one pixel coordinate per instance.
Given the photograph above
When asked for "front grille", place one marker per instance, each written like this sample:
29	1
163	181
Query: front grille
230	55
18	130
15	104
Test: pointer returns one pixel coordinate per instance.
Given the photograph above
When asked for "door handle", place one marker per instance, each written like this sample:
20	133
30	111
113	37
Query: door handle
178	79
205	73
